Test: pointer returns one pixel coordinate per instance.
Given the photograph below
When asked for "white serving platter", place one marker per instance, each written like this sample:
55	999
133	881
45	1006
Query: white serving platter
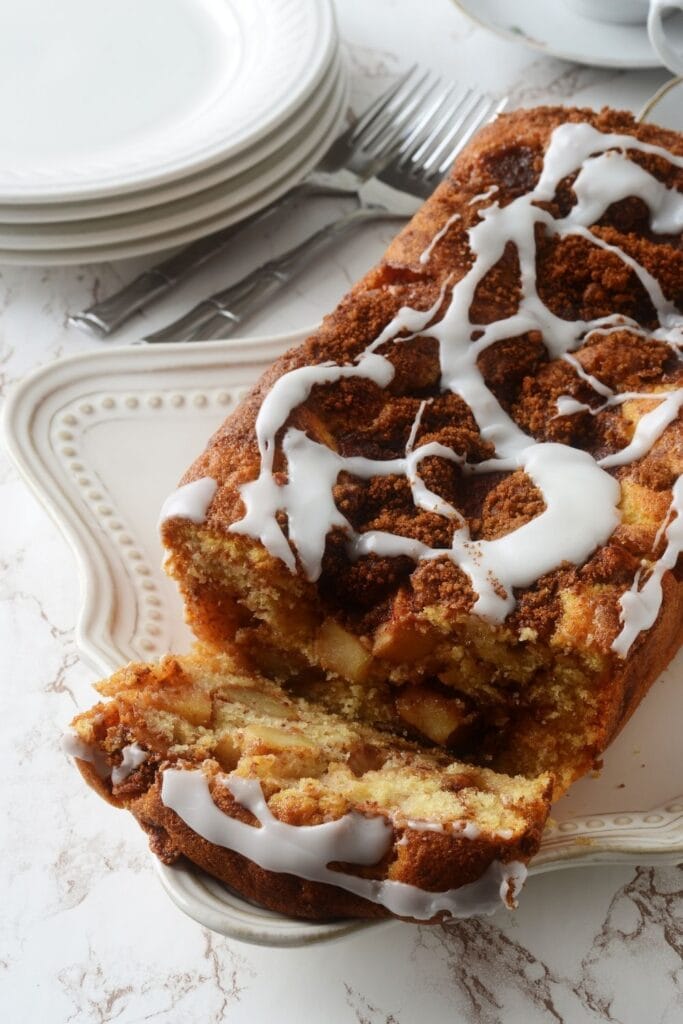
102	438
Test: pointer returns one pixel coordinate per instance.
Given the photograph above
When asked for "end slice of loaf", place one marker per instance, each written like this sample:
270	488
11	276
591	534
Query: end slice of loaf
454	838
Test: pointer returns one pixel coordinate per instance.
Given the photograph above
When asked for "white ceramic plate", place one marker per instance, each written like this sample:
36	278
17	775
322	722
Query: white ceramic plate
666	106
218	201
102	439
250	159
319	139
100	98
557	31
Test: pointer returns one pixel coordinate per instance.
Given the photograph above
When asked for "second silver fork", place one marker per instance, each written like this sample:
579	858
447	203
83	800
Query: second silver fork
419	163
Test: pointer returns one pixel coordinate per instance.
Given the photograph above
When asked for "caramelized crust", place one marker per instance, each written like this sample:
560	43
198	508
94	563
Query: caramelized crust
544	689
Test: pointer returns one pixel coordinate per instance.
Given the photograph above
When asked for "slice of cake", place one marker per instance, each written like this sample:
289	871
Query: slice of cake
301	809
464	490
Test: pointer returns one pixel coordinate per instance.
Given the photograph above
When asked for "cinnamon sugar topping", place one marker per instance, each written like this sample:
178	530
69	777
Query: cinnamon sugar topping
579	497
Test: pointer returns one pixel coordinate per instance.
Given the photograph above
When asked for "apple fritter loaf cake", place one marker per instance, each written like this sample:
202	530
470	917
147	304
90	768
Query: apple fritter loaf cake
441	539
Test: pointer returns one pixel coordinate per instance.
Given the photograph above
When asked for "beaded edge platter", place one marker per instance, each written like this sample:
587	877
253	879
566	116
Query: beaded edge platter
102	438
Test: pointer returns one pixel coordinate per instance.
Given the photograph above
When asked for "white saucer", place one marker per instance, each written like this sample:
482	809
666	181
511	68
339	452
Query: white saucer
100	99
557	31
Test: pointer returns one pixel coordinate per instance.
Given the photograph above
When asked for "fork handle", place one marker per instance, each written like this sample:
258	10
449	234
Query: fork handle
219	315
106	316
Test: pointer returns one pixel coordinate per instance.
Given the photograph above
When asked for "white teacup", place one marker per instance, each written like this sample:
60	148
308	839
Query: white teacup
671	58
615	12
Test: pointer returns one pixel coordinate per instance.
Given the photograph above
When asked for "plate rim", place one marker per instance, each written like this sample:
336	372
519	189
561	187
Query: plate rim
124	180
598	843
196	207
223	172
604	62
197	229
24	401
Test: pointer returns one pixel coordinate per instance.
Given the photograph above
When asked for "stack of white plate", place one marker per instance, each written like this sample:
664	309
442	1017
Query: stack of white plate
131	127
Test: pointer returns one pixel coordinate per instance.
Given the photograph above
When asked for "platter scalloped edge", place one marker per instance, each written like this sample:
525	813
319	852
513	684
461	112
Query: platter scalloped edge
47	420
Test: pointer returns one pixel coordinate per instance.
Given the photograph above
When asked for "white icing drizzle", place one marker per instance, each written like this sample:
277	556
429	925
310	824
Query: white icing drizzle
623	178
307	850
668	315
573	144
468	829
650	426
424	256
74	746
597	385
483	196
640	605
133	756
191	501
580	496
564	475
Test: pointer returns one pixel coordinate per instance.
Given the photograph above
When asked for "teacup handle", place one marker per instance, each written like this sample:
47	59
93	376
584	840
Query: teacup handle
673	59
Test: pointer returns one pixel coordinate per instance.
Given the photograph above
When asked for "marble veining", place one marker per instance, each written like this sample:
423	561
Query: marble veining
87	934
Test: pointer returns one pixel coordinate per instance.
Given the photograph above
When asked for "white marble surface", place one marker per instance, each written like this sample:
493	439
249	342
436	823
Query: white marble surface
86	933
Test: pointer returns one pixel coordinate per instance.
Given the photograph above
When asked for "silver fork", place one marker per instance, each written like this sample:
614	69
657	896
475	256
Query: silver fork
361	149
420	161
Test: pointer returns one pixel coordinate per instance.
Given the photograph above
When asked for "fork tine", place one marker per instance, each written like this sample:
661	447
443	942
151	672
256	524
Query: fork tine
448	123
464	139
424	131
451	144
425	155
476	112
394	138
501	105
395	120
376	108
426	118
